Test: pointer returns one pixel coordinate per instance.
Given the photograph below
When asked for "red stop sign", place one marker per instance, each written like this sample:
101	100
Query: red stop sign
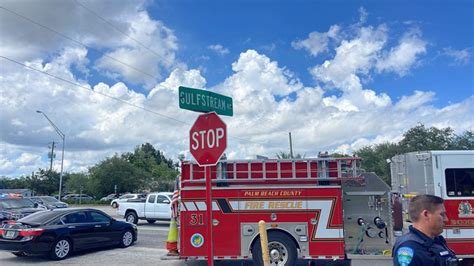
208	139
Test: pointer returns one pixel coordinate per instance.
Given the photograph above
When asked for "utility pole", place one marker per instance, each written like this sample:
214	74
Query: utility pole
291	147
51	156
63	137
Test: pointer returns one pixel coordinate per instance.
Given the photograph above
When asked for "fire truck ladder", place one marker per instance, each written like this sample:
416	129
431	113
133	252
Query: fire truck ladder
318	169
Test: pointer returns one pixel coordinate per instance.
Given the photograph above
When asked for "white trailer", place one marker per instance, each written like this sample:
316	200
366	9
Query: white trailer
447	174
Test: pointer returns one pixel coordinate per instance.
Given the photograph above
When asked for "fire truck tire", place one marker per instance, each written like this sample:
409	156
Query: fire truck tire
131	217
281	247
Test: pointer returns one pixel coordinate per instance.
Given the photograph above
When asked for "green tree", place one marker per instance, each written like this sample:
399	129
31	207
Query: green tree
421	138
77	181
464	142
159	169
374	158
44	182
116	171
7	182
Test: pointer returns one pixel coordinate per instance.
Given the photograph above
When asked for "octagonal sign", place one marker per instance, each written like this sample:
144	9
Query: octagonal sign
208	139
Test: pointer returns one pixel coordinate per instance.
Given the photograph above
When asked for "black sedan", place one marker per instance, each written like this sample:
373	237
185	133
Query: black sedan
59	232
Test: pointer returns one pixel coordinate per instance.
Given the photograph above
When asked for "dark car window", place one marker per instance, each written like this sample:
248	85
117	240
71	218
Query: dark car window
74	218
97	217
161	199
151	199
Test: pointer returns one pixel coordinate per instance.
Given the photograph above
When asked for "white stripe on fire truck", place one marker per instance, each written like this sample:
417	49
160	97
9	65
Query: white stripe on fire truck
462	233
325	206
234	205
322	231
190	205
199	206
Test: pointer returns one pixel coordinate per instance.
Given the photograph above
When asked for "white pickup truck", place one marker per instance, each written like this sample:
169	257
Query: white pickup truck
156	206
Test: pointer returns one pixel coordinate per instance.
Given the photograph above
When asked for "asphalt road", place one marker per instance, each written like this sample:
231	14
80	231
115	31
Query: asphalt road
148	250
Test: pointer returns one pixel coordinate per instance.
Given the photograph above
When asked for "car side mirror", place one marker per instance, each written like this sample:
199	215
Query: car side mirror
166	201
36	204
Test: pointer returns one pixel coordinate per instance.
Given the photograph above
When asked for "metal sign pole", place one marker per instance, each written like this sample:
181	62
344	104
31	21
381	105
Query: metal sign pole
207	170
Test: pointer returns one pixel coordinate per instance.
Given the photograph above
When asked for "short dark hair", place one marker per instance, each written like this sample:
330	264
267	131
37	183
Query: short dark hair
423	202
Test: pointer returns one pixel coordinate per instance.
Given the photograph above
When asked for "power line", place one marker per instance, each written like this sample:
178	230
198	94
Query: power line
108	96
78	42
125	34
103	94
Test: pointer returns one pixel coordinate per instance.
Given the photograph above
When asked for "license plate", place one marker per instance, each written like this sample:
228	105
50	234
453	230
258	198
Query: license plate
10	234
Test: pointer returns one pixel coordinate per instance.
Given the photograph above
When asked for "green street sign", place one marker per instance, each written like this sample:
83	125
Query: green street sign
205	101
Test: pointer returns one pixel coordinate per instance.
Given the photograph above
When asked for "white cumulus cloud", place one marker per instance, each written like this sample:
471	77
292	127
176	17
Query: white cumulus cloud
219	49
317	42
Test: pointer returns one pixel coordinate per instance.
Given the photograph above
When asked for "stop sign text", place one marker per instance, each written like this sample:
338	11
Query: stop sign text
208	139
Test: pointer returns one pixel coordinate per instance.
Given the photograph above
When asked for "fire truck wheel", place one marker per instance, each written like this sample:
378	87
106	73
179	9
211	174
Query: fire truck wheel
281	248
131	217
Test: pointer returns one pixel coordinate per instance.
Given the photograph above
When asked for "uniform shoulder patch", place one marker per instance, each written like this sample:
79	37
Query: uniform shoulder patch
405	255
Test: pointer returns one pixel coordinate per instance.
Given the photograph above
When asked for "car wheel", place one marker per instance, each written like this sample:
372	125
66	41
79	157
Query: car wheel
281	249
127	239
151	221
114	205
19	253
131	217
61	249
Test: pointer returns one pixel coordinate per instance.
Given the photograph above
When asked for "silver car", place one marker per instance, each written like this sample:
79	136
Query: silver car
132	196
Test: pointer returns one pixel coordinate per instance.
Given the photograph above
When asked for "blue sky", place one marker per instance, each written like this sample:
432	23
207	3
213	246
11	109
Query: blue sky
338	74
241	25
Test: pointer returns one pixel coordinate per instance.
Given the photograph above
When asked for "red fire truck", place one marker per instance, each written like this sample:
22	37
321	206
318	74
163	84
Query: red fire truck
322	208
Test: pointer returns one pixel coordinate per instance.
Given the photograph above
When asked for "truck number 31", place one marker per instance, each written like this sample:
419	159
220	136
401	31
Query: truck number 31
196	219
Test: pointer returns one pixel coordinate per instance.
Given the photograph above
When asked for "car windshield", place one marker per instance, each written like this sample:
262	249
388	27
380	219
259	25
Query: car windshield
6	204
49	199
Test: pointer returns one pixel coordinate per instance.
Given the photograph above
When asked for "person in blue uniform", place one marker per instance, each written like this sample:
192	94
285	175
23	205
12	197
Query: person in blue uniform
423	244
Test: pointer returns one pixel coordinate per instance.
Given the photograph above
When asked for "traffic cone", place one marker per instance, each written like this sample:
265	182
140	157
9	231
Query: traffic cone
172	242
